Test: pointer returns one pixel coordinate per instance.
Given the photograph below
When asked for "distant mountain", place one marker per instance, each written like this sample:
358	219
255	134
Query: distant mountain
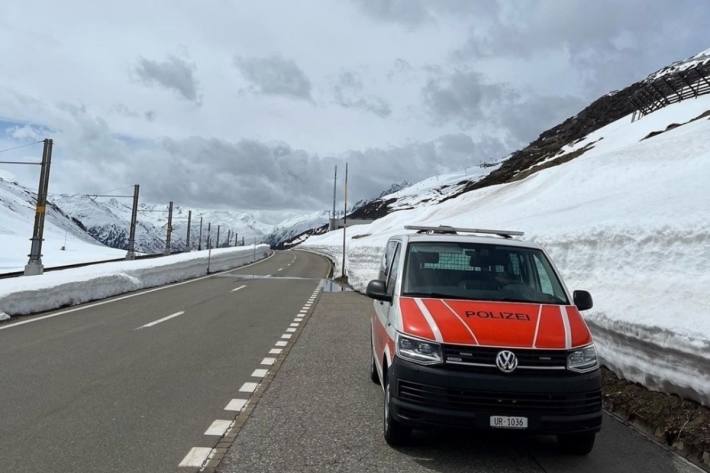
107	220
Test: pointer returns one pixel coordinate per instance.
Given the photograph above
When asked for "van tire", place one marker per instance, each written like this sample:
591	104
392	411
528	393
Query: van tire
576	444
396	434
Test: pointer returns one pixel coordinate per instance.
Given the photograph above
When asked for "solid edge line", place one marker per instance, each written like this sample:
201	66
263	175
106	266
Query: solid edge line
128	296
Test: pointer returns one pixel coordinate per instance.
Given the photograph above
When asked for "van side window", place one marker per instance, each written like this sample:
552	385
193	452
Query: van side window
387	260
393	270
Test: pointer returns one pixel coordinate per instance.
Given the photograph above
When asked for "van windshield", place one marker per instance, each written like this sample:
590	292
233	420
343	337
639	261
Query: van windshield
480	272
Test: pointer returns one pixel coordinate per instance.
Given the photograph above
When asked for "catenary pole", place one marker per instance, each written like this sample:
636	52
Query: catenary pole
345	216
169	230
199	241
34	265
189	224
131	254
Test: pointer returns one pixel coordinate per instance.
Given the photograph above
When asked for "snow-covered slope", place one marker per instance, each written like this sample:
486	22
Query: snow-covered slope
17	210
628	220
293	227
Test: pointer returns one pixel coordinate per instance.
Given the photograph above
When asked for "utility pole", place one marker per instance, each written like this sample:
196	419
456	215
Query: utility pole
34	265
169	229
333	225
236	239
345	217
199	242
189	223
217	239
131	254
229	237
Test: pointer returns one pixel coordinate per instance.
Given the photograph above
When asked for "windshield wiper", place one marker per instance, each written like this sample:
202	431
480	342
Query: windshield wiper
434	295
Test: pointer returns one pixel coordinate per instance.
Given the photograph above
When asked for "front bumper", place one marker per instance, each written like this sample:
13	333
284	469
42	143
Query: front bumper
425	396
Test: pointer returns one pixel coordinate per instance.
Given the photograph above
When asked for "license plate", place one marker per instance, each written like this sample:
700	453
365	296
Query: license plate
506	422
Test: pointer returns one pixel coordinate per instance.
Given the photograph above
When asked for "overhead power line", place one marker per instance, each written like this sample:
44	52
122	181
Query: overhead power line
20	146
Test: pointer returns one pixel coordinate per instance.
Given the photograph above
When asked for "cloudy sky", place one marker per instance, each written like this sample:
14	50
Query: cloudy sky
232	103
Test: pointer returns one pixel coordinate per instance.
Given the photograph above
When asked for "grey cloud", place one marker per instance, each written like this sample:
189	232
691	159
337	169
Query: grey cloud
462	97
610	43
174	73
250	174
413	13
348	93
465	99
275	75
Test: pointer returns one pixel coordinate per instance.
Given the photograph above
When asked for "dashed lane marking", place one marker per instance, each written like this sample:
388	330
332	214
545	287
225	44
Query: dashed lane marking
268	361
219	427
259	373
248	387
196	457
281	343
286	336
156	322
239	288
294	324
236	405
290	330
275	351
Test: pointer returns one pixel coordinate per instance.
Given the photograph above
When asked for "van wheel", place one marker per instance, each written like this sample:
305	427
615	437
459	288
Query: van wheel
576	444
396	434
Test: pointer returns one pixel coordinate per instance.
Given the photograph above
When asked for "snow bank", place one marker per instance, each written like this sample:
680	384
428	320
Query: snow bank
629	220
32	294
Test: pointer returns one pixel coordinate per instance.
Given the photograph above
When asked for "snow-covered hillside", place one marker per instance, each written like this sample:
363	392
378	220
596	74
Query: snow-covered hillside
17	210
628	220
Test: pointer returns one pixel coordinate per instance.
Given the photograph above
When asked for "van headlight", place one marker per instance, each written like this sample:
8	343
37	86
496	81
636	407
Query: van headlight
418	351
583	360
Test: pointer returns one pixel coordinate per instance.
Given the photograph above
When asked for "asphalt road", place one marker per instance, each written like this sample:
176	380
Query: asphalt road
321	413
133	385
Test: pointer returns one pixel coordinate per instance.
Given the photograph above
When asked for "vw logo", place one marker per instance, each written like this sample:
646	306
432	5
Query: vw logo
506	361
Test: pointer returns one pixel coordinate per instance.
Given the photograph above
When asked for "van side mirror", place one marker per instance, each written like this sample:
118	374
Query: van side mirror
376	290
583	300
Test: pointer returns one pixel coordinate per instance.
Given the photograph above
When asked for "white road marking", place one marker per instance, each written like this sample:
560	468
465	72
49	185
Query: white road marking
298	319
280	269
238	288
236	405
302	311
218	427
248	387
259	373
156	322
196	457
286	336
281	343
268	361
290	330
294	324
273	351
128	296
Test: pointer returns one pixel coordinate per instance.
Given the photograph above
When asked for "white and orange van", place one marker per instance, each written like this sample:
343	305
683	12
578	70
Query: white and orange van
475	329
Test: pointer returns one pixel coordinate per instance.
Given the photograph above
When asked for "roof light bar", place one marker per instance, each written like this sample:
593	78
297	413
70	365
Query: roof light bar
446	229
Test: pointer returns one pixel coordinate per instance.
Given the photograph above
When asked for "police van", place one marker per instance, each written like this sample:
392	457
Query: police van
475	329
